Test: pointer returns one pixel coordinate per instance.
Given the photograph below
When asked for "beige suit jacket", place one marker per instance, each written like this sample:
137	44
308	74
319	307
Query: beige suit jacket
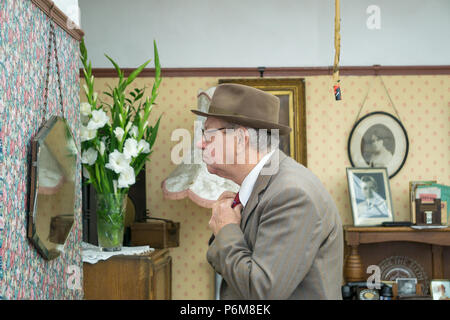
289	244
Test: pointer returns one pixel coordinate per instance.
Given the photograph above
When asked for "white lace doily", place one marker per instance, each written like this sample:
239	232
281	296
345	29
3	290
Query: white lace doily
92	254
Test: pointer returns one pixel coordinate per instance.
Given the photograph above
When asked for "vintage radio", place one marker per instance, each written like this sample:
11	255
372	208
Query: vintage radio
155	232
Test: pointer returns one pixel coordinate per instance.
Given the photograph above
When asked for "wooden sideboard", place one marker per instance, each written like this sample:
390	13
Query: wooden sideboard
136	277
355	236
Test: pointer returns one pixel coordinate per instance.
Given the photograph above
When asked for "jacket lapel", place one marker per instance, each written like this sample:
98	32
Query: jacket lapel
260	185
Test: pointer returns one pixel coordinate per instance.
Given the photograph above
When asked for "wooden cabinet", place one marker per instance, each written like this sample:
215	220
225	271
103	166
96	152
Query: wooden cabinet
432	241
137	277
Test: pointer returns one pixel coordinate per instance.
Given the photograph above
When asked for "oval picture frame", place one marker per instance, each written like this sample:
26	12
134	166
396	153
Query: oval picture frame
378	140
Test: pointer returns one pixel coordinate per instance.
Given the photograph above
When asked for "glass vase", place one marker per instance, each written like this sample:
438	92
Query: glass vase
110	220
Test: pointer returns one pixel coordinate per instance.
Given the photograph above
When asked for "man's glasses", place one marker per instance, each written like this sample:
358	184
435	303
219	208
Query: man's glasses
208	134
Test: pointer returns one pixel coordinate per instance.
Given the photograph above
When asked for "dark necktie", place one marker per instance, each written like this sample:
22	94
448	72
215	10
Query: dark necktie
236	201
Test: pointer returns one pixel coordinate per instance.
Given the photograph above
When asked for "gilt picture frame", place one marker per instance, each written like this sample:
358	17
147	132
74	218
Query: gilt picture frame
291	93
378	140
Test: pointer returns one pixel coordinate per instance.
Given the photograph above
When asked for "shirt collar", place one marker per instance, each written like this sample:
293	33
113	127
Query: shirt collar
249	182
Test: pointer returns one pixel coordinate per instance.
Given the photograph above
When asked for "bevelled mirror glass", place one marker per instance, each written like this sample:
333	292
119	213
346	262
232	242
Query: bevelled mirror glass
52	195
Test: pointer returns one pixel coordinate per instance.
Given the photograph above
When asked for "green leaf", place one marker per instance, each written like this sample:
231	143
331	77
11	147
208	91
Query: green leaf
139	96
86	76
157	63
116	66
141	163
108	94
83	51
135	73
154	132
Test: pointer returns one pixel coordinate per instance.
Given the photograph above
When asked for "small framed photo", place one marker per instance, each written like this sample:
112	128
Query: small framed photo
378	140
406	286
370	196
440	289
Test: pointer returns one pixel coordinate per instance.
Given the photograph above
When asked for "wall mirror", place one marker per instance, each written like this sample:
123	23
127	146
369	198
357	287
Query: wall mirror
52	195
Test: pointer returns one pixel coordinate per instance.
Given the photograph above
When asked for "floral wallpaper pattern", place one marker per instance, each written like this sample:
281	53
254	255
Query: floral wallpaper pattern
24	36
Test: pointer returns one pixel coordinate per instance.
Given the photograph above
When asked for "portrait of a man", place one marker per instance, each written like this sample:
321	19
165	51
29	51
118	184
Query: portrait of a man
370	196
373	205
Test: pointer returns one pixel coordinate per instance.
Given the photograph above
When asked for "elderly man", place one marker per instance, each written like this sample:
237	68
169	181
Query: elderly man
280	236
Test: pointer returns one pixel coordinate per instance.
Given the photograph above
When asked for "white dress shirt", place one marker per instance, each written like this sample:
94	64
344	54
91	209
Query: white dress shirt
249	182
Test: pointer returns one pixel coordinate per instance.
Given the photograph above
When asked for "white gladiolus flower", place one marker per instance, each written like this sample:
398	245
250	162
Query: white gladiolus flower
126	178
127	128
134	131
89	156
117	162
85	109
119	133
143	146
102	148
130	148
98	120
87	134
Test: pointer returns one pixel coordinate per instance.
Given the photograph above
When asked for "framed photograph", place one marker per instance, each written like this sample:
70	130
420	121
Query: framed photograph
406	286
291	93
440	289
378	140
370	196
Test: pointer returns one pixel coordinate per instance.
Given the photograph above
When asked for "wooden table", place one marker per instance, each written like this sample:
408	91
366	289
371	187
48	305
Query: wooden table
354	236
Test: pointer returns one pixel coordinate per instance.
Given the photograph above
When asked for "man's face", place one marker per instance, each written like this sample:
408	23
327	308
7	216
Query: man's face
218	146
367	189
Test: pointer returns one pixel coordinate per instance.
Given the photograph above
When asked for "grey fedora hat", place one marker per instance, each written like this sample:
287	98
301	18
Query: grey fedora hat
247	106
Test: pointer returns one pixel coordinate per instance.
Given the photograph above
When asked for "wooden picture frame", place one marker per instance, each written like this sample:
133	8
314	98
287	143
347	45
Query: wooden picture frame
291	93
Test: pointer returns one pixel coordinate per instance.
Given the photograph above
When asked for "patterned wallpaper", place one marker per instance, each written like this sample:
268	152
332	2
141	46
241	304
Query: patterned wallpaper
423	103
24	36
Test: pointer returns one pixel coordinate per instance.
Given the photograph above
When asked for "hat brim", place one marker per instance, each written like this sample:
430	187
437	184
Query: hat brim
245	121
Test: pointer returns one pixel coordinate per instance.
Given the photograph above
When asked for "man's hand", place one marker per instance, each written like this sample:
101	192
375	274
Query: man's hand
226	195
223	214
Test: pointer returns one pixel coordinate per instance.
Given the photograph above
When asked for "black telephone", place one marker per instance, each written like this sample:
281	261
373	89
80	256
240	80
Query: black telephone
360	291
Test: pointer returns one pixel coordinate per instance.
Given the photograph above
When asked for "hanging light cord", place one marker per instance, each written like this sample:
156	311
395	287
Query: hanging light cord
337	48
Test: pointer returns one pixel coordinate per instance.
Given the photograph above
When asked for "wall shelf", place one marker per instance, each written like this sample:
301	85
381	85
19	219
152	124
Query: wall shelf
355	236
